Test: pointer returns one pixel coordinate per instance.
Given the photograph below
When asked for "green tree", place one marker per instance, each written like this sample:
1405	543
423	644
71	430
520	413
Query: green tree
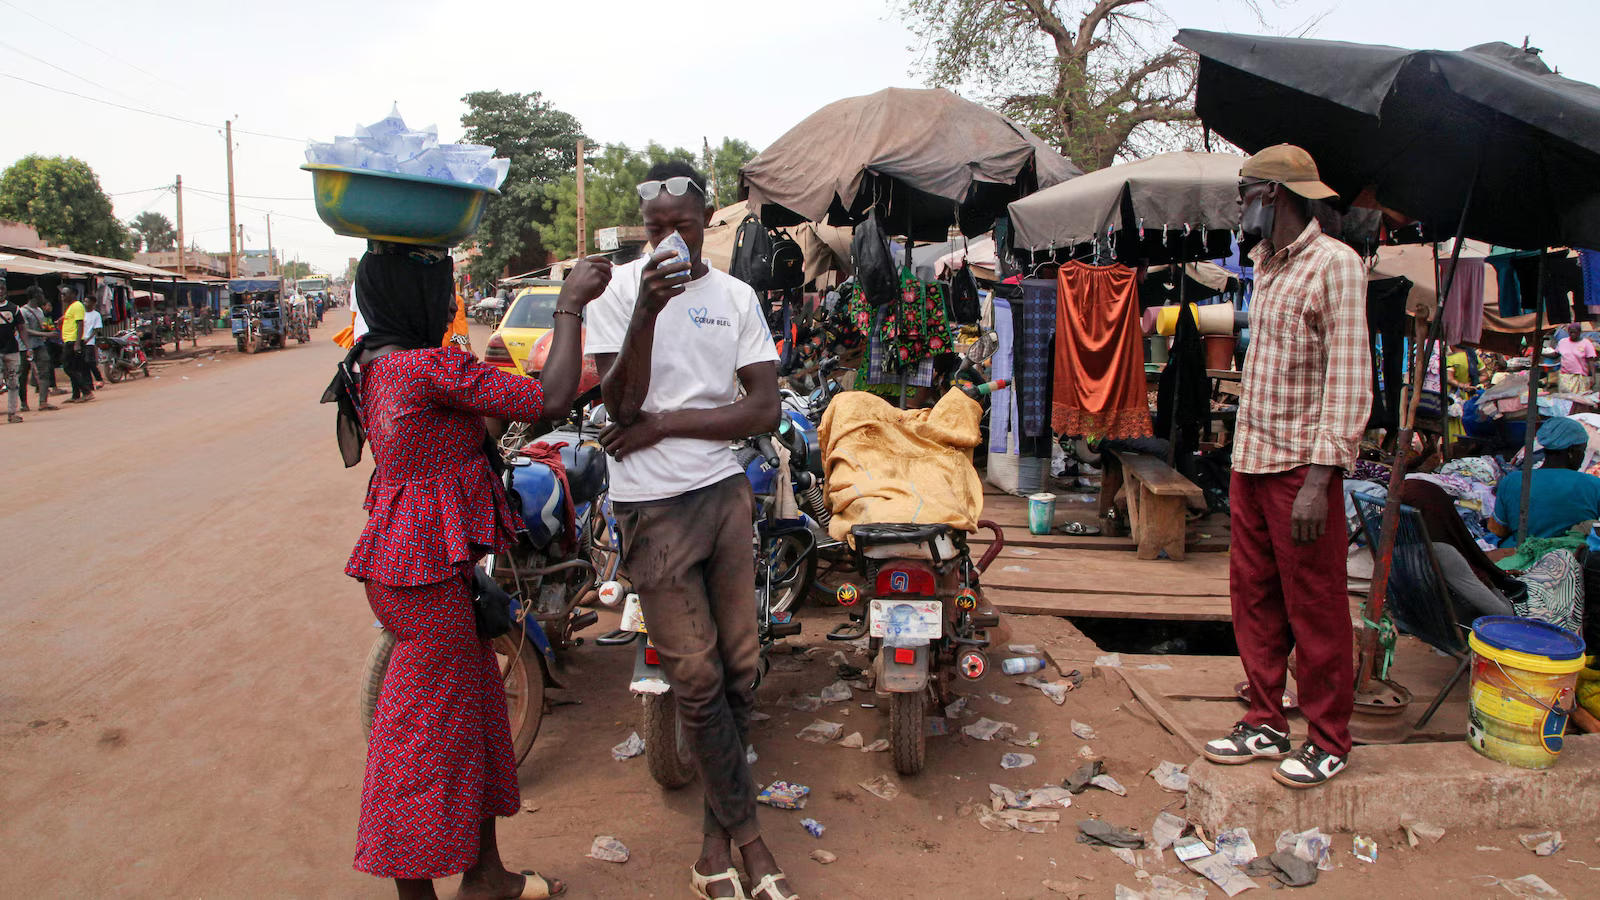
153	232
1095	78
542	144
294	270
61	197
610	193
726	161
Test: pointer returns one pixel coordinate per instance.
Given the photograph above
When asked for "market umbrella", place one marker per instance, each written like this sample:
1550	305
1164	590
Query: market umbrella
1487	140
1418	128
921	155
1177	191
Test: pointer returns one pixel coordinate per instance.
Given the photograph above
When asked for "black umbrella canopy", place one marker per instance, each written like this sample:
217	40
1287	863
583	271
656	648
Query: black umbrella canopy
1418	127
927	158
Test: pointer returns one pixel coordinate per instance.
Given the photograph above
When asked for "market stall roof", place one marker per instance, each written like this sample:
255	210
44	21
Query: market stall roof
1172	190
822	247
26	265
1419	128
101	262
921	154
255	285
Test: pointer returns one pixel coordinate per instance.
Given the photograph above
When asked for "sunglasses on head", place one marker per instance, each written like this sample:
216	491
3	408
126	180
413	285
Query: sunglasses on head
677	186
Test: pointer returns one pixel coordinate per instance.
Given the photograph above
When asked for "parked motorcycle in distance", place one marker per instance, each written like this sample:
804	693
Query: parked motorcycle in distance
120	354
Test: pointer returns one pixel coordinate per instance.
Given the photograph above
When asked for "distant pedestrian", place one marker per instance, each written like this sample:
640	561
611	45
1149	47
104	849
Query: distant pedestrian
93	325
77	362
35	342
10	351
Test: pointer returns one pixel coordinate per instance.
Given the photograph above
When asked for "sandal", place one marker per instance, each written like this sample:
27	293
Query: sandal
1078	529
537	888
769	886
701	882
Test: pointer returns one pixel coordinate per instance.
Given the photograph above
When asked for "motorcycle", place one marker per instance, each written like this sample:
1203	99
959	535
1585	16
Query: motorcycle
121	354
542	581
926	619
785	550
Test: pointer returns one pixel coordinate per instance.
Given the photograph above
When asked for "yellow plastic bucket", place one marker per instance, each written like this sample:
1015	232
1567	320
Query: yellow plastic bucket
1524	679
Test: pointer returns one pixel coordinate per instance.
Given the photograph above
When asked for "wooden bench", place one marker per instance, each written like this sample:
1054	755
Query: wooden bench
1158	498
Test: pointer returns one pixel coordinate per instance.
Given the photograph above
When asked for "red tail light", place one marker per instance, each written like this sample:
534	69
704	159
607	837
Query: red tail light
496	353
651	657
905	656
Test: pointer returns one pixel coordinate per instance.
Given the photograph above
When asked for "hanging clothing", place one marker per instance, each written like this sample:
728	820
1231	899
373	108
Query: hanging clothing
1183	398
1100	386
878	373
1589	266
1386	328
1463	309
1038	330
1001	402
1510	287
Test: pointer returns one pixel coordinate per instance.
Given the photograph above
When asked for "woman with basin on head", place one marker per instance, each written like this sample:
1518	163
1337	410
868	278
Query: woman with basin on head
439	760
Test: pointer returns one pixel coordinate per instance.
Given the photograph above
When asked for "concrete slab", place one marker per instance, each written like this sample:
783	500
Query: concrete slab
1446	784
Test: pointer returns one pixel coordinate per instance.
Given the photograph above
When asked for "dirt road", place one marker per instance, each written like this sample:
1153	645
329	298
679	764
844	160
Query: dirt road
178	661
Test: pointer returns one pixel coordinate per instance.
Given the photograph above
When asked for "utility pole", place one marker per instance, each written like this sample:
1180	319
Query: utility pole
181	269
583	239
238	257
233	247
710	166
272	261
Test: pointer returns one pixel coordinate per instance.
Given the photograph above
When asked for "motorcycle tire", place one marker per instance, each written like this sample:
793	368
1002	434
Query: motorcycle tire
666	750
908	738
240	343
788	596
519	668
114	372
145	368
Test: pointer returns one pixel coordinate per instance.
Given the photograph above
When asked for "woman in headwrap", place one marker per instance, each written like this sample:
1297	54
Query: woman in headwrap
439	760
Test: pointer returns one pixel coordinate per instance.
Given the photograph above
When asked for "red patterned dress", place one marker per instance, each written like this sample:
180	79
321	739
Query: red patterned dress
439	760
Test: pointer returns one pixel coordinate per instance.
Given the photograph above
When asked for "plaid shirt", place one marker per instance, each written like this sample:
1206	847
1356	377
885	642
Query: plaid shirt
1307	383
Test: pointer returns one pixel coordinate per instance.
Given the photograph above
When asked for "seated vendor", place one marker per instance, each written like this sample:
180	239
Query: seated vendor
1561	496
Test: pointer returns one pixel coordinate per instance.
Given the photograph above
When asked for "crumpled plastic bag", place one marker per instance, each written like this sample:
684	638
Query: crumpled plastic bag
1096	832
820	732
629	748
608	849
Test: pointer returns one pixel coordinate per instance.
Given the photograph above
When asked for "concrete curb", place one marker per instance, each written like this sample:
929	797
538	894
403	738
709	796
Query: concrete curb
1446	784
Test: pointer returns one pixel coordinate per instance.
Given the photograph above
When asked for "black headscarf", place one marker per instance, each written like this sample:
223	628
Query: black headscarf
404	296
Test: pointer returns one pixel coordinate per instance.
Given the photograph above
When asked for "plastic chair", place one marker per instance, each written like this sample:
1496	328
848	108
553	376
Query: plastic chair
1418	596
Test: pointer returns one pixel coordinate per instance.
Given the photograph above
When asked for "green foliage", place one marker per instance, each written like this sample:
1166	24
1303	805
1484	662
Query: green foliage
611	179
541	142
1098	79
294	270
61	197
153	232
726	161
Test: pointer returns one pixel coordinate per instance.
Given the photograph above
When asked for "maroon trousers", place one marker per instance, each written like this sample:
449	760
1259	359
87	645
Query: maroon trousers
1292	595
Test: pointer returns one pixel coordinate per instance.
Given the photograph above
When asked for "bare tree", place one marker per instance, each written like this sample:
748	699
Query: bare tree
1098	79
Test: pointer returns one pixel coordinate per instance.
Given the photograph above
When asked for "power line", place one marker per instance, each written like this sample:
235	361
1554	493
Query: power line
87	44
147	112
245	196
46	62
126	193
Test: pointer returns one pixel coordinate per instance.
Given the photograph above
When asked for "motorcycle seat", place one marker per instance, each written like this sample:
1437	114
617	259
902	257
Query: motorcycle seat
586	471
868	535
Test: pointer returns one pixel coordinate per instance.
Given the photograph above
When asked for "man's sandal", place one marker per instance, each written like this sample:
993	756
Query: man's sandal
769	887
537	888
701	882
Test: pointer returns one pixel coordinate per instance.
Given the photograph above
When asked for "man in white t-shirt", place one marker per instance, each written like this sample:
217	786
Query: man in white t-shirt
687	364
93	325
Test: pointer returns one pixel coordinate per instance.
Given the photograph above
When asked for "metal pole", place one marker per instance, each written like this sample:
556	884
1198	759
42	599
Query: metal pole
181	269
272	260
583	238
1383	556
1532	416
233	248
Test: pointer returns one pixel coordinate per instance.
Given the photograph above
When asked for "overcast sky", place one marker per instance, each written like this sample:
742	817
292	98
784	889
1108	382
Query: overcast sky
630	71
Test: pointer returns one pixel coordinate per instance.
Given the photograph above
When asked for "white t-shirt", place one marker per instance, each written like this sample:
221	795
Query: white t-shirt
704	336
92	323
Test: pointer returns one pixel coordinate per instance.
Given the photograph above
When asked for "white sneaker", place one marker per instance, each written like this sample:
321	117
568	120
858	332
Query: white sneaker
1246	743
1310	767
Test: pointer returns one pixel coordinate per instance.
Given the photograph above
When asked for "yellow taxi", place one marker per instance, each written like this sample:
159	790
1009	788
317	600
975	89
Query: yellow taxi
529	318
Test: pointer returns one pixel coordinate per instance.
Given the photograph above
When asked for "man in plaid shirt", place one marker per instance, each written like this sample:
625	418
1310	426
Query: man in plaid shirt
1307	391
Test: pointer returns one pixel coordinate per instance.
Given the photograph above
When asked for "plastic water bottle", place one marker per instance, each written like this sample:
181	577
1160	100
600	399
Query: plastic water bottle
1021	665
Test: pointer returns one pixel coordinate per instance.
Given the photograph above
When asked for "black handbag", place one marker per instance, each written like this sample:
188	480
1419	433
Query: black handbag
876	272
964	306
491	606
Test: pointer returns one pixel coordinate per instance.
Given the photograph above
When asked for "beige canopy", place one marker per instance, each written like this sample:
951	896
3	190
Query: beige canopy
824	247
1169	190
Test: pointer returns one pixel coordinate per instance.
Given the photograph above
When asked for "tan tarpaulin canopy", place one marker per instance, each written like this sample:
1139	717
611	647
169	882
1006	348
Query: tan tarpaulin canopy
931	141
1170	190
824	247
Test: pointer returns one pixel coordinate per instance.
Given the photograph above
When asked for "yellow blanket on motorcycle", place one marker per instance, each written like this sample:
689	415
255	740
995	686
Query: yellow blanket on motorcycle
885	465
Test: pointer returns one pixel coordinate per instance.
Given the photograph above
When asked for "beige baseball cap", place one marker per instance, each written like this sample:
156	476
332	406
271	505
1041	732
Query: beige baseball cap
1290	166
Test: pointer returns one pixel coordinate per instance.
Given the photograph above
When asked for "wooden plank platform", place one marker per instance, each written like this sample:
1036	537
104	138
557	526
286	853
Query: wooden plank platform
1193	696
1112	606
